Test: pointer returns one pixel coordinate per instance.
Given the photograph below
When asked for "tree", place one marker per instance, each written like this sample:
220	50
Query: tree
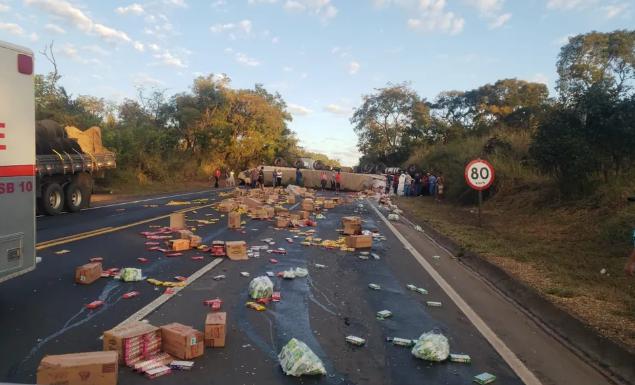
597	58
388	121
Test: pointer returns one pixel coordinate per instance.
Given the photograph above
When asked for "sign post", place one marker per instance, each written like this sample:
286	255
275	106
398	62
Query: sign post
479	175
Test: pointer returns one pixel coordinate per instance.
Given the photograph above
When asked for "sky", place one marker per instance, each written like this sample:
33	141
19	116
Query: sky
322	56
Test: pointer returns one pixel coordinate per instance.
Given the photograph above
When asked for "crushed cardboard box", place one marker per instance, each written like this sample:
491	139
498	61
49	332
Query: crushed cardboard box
90	368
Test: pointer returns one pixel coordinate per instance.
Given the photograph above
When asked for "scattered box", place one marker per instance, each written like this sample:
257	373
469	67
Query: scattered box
236	250
305	214
215	330
270	211
329	204
352	225
177	221
195	241
281	211
132	340
233	220
90	368
308	204
295	216
185	234
359	241
282	222
181	341
252	203
226	205
291	199
179	244
88	273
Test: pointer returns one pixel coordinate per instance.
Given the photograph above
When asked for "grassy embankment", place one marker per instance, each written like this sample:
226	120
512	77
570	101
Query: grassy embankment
573	252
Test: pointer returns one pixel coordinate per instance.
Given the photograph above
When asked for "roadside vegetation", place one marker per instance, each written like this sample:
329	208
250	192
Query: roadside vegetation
166	140
557	216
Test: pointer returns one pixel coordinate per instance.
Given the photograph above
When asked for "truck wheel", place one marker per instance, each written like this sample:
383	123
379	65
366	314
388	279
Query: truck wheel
73	197
52	200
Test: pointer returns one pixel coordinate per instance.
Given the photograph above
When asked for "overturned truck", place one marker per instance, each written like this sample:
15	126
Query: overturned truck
67	162
312	178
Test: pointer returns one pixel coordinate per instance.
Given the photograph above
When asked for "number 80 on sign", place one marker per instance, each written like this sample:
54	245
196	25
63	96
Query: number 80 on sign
479	174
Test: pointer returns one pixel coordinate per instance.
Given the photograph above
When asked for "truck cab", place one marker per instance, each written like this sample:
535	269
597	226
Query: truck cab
17	161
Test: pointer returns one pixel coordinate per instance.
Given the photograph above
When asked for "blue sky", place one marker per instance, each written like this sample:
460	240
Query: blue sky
321	55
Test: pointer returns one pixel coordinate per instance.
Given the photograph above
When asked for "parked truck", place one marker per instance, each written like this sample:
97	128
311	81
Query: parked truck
52	173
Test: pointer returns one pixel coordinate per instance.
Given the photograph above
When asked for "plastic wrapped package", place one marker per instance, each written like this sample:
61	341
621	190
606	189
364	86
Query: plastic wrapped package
432	347
297	359
260	287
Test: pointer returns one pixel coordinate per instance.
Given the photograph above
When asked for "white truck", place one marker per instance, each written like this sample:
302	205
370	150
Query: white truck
47	172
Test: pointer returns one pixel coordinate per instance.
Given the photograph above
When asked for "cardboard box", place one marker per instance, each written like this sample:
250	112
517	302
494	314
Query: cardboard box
295	216
195	241
329	204
233	220
182	341
352	225
271	212
226	205
115	339
308	204
179	244
177	221
236	250
88	273
252	203
281	211
305	214
258	212
291	199
90	368
359	241
282	222
185	234
215	330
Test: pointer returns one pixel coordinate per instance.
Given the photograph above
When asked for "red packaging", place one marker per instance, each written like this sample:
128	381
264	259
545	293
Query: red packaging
142	260
130	294
180	278
215	304
94	304
168	290
264	301
174	254
197	258
278	251
97	259
273	260
275	297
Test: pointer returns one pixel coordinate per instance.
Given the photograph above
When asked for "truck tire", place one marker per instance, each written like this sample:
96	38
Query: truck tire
52	200
73	197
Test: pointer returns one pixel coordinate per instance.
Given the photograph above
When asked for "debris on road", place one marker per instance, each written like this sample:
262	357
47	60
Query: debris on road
94	305
182	341
434	304
401	341
219	277
461	358
88	273
60	252
374	286
215	303
484	378
260	287
393	217
255	306
383	314
245	274
297	359
76	367
358	341
96	259
131	274
215	329
130	294
181	365
431	347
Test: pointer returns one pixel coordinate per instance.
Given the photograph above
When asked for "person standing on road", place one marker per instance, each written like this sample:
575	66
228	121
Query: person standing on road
432	185
425	184
261	178
279	178
216	177
388	183
338	182
231	182
440	187
323	179
274	173
298	177
417	185
253	177
395	183
406	185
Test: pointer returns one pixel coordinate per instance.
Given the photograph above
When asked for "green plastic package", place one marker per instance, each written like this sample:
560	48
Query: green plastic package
432	347
130	274
260	287
297	359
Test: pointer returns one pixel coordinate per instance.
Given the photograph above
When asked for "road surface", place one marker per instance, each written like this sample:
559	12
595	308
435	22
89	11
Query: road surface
43	312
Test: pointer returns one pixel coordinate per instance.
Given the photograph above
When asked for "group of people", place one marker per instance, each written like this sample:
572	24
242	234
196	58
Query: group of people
230	181
335	179
403	183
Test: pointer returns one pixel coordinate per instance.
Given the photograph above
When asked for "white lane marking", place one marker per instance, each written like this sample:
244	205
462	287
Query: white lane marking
163	298
503	350
146	200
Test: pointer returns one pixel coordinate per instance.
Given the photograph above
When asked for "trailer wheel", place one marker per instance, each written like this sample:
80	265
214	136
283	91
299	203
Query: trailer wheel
73	197
52	200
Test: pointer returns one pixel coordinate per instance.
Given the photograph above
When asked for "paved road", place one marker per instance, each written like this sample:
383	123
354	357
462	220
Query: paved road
43	312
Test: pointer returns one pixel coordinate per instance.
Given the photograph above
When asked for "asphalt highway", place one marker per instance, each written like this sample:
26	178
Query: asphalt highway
44	312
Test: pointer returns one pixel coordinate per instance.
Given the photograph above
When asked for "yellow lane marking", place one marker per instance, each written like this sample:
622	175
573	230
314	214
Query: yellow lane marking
107	230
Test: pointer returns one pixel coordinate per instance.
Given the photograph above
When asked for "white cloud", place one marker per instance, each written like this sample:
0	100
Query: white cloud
54	28
4	7
569	4
176	3
169	59
246	60
34	37
138	46
323	9
353	67
275	40
287	69
500	20
12	28
219	4
613	10
143	80
73	53
296	109
487	7
96	49
540	78
134	9
79	19
434	18
337	109
154	47
243	26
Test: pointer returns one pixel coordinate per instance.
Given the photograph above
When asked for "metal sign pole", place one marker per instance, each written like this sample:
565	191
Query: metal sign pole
480	202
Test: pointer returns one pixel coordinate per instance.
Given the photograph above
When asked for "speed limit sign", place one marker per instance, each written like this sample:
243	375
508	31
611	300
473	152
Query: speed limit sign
479	174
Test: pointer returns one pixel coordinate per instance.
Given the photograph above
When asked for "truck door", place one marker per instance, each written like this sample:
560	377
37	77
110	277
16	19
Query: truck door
17	161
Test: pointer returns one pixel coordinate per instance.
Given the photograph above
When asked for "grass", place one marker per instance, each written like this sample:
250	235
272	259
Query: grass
558	250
